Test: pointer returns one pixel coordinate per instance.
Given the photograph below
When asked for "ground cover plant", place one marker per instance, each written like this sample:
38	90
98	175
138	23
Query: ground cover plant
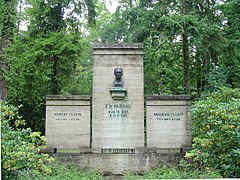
166	171
62	171
21	157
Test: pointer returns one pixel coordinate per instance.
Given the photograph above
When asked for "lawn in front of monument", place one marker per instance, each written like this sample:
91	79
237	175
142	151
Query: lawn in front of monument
67	171
181	171
61	171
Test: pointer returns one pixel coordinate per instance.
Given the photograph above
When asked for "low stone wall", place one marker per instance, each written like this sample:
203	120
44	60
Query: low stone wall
68	131
67	122
120	163
168	122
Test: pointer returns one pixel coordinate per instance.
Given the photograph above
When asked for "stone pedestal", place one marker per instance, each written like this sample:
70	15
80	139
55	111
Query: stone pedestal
117	117
67	122
120	163
118	93
168	123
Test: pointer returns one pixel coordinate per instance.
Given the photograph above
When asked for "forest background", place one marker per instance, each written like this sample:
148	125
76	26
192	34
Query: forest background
190	47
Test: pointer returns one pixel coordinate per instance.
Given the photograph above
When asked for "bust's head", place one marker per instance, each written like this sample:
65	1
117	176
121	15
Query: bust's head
118	72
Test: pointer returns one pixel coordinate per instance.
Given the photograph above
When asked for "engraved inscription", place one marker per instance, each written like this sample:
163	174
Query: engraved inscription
117	151
117	110
168	116
67	116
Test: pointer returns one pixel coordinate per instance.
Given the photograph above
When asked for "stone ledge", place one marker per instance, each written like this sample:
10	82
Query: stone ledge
169	97
117	46
118	49
143	150
69	97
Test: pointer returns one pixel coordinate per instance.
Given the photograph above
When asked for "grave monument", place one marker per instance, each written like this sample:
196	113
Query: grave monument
117	99
107	132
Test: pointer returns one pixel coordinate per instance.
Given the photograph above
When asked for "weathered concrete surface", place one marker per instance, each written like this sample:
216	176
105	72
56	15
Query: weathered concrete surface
168	122
119	163
117	123
68	122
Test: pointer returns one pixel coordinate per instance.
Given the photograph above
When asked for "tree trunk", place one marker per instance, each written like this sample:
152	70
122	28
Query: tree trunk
55	83
185	53
9	13
3	88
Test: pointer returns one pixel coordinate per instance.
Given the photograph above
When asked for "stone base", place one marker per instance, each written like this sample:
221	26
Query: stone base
118	93
120	163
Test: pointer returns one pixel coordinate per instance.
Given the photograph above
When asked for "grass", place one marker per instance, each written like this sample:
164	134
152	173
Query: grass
174	172
61	171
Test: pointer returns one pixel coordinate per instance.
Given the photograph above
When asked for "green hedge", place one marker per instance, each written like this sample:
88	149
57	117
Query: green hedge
21	147
216	135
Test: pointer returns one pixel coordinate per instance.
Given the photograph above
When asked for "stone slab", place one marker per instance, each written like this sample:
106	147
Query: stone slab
168	122
68	122
119	163
117	123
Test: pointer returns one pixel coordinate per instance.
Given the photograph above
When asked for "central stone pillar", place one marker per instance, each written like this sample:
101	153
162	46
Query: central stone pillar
118	99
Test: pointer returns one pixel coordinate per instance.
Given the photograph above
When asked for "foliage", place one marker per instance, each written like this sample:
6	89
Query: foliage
212	29
62	171
161	64
231	48
33	72
216	132
174	172
50	58
8	20
20	148
158	33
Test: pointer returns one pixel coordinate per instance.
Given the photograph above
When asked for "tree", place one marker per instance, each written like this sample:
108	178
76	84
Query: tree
158	25
202	26
231	48
185	52
207	44
183	40
47	59
8	19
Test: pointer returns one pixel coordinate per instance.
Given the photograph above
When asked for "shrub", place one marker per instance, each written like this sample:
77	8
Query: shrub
20	147
216	135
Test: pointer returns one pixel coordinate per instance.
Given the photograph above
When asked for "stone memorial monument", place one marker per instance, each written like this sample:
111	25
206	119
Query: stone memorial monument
107	131
118	99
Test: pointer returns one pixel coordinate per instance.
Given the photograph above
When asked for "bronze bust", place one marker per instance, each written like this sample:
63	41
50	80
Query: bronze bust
118	72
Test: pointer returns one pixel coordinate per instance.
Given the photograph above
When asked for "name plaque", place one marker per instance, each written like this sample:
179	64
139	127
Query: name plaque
118	151
117	111
168	116
67	116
